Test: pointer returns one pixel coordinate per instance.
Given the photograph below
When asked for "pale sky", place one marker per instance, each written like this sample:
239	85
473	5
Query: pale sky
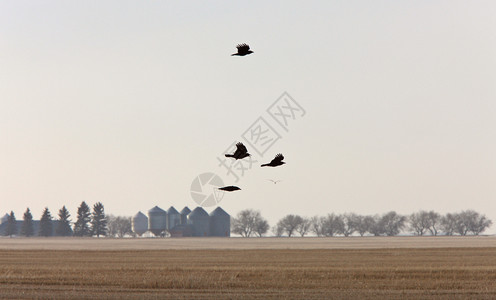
126	102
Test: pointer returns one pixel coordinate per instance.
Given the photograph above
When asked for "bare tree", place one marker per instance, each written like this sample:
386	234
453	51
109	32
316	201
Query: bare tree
119	226
362	224
434	222
249	222
392	223
261	226
419	222
304	227
448	223
461	223
332	225
465	222
316	225
125	226
349	223
374	225
111	225
243	223
289	224
480	224
277	230
474	222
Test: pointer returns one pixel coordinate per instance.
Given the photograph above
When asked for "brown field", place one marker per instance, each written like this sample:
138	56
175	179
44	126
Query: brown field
210	268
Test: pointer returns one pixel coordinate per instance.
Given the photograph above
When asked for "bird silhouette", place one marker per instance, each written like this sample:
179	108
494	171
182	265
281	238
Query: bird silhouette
274	181
243	49
229	188
277	161
240	153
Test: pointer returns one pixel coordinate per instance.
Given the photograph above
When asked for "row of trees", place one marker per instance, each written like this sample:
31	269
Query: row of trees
251	223
119	226
87	224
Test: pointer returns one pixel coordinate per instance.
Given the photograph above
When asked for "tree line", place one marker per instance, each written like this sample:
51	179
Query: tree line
87	224
251	223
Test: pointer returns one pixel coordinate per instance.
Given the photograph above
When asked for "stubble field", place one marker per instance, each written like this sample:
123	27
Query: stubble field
209	268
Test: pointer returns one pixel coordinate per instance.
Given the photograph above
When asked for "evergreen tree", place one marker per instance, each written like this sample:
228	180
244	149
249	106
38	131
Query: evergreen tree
27	228
11	228
46	228
98	221
64	225
81	227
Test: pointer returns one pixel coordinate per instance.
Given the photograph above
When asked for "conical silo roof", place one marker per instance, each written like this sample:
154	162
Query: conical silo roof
198	213
185	211
172	211
219	212
4	218
140	215
156	209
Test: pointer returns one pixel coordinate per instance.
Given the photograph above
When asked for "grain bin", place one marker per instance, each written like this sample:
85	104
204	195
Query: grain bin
199	221
140	223
184	215
220	223
157	219
5	218
173	218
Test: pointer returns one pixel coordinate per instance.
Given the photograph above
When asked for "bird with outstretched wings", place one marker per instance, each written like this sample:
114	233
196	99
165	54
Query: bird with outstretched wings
229	188
277	161
240	152
243	49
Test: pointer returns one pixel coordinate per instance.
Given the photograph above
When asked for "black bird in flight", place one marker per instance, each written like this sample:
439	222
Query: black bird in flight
229	188
243	49
274	181
240	153
277	161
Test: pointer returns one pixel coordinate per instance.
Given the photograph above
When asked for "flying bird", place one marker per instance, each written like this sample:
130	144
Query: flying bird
229	188
240	153
274	181
277	161
243	49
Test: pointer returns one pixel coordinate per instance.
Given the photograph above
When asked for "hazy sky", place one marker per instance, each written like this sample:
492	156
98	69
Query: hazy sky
126	102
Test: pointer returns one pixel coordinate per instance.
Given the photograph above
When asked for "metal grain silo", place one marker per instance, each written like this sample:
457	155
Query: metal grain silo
199	221
157	219
173	218
220	223
140	223
184	215
5	218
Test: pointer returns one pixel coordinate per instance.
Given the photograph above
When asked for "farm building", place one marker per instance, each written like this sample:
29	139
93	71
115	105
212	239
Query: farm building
220	223
184	215
160	222
185	223
6	217
199	220
157	221
173	218
140	223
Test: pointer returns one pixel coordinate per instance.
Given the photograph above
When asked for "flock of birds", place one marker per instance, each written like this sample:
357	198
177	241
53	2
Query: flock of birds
241	151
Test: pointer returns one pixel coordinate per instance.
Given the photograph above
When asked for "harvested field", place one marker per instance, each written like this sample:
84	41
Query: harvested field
62	243
359	273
